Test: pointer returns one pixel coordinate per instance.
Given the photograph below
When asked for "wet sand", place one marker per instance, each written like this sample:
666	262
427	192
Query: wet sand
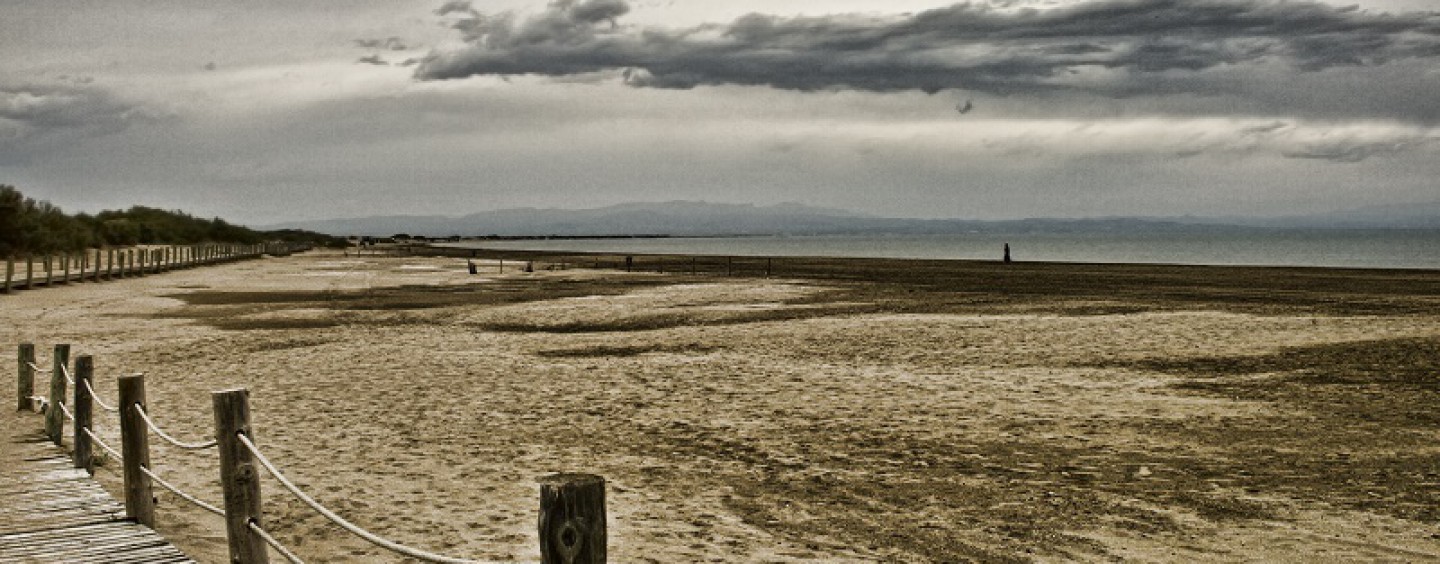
839	411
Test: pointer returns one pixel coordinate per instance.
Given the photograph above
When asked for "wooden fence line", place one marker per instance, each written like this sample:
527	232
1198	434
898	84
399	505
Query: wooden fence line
129	262
572	517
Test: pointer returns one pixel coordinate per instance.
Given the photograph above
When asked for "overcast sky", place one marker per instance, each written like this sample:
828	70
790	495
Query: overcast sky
262	111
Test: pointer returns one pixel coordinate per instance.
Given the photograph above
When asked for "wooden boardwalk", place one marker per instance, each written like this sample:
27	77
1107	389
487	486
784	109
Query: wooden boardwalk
53	512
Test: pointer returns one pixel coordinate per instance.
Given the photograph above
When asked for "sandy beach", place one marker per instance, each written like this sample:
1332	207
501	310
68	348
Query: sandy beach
853	411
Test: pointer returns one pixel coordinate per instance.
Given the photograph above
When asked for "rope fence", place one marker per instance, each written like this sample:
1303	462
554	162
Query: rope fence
140	410
341	521
275	544
183	495
94	397
103	446
572	512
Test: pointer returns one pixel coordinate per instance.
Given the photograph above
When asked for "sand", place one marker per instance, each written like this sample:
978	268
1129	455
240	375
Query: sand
791	419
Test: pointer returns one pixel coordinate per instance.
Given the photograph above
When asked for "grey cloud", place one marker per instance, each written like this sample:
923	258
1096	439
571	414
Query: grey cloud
969	46
372	60
1355	150
392	43
65	105
456	6
597	10
35	118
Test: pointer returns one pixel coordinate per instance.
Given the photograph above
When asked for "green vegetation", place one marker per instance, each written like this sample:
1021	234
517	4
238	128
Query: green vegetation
30	226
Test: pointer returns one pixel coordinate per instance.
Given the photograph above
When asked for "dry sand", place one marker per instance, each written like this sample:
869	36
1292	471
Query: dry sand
788	420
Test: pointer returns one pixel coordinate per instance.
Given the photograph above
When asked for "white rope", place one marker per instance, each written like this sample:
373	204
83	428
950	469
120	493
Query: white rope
275	544
170	439
42	400
63	370
183	495
94	397
103	446
66	411
338	520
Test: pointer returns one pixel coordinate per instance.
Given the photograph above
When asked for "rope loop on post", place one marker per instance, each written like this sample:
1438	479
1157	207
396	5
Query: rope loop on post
338	520
37	368
139	410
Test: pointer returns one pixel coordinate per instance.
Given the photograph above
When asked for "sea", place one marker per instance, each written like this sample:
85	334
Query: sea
1419	249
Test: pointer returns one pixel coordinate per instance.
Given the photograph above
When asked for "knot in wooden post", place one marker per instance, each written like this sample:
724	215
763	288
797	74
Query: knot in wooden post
572	519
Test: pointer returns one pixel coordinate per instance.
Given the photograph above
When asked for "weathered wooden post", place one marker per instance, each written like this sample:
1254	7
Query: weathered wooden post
767	267
110	265
54	416
135	450
49	271
65	266
729	266
572	519
97	264
239	477
9	273
83	407
29	272
25	387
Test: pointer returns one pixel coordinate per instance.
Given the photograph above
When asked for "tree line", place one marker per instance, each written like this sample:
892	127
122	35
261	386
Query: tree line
28	226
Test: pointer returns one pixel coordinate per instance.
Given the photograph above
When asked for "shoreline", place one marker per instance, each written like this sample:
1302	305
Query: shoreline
886	411
1362	249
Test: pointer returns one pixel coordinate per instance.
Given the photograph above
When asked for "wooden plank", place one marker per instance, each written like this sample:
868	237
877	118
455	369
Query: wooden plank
53	512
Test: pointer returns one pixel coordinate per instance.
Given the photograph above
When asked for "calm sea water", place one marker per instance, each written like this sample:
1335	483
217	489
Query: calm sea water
1364	249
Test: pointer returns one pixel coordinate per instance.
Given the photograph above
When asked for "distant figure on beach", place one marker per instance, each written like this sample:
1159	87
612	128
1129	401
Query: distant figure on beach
1007	253
471	264
629	262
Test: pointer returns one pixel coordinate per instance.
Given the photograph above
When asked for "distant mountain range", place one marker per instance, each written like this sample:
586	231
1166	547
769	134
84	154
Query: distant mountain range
688	218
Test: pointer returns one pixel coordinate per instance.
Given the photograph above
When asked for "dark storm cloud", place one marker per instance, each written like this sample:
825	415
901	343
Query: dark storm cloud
372	60
1108	47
